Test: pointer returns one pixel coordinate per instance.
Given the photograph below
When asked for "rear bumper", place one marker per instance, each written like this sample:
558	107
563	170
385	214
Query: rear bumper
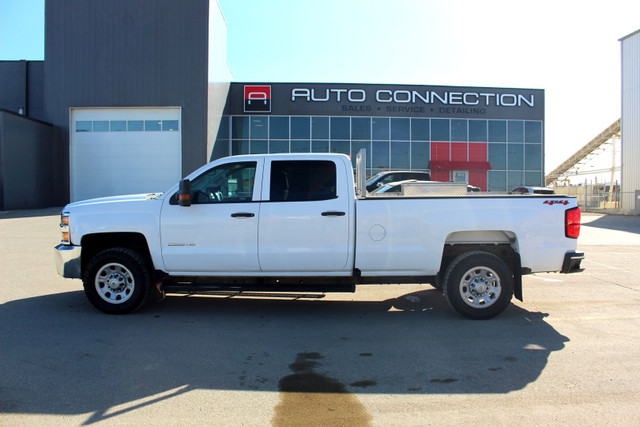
571	263
67	260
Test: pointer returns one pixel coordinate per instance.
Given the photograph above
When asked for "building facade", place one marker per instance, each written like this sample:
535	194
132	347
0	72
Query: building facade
492	138
137	95
630	124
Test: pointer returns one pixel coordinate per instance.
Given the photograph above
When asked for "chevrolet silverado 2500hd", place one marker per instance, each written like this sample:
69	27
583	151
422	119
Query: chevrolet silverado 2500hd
297	223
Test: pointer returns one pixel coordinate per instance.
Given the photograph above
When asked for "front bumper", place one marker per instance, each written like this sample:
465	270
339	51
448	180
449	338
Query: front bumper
572	262
67	260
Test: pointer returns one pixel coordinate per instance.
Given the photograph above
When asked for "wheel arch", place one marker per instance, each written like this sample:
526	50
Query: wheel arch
501	243
93	244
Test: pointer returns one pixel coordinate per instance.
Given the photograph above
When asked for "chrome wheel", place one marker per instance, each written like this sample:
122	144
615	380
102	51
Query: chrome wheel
480	287
115	283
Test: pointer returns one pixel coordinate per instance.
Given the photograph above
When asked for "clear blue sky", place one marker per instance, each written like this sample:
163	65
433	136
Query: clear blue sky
569	48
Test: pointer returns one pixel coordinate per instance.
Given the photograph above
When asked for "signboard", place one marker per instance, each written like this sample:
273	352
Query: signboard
333	99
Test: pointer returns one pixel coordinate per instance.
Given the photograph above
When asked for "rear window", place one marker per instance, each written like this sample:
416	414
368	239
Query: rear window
303	180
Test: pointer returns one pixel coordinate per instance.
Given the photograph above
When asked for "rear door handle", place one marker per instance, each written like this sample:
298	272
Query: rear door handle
333	213
242	215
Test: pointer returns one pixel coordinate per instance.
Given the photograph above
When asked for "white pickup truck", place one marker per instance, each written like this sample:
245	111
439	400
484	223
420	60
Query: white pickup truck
285	223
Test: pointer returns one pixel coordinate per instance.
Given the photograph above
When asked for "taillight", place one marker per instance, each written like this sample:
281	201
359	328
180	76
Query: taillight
572	223
64	228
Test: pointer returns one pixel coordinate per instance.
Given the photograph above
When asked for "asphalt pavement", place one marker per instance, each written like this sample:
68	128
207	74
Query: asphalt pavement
385	355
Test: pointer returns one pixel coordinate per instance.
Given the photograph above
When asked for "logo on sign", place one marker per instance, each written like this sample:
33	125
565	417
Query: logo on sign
257	99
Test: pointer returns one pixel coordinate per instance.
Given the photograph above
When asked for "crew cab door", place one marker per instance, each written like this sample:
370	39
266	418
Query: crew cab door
305	217
219	231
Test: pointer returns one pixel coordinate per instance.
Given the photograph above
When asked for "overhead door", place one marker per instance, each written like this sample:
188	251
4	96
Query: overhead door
123	151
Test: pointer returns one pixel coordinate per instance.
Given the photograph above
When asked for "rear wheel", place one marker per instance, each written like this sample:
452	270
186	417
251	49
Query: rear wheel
478	285
117	281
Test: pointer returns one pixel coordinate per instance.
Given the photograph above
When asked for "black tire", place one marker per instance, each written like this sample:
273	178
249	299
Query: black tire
478	285
117	281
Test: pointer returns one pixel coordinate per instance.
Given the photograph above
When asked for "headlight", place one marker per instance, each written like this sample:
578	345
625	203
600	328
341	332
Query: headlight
64	228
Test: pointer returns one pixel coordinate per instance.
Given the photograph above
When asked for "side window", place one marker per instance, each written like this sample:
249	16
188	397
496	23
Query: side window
230	183
303	180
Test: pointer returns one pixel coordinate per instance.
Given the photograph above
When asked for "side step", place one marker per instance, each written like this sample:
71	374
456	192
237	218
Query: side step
232	294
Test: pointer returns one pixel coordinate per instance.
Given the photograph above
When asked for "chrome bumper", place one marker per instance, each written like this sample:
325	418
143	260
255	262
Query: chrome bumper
67	260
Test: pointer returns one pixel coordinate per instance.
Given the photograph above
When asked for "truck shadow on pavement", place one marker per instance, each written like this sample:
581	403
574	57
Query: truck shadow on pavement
61	356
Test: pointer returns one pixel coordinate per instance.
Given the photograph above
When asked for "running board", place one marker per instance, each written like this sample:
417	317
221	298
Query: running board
232	294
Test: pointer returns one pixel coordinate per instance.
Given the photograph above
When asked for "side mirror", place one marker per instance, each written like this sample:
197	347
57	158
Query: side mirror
184	193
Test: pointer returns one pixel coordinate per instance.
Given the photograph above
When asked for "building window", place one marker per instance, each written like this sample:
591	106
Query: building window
533	132
419	129
459	130
135	125
497	131
400	129
84	126
118	126
478	130
380	128
320	128
515	131
440	130
340	128
300	128
170	126
101	126
259	127
152	125
278	127
361	128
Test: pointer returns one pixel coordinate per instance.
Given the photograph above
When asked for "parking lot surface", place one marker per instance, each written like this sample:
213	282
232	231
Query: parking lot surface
385	355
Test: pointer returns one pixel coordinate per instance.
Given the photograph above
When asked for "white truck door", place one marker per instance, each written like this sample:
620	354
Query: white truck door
219	231
304	221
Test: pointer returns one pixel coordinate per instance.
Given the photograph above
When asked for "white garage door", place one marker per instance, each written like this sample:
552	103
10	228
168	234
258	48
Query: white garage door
124	151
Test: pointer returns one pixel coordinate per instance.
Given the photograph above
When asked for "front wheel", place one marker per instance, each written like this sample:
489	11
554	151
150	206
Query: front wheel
117	281
478	285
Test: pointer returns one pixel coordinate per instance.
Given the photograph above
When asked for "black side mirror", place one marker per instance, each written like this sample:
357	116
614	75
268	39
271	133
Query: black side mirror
184	193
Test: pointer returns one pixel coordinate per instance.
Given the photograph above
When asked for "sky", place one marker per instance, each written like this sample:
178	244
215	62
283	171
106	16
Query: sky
569	48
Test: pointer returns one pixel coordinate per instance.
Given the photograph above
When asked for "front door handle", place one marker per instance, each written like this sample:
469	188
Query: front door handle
242	215
333	213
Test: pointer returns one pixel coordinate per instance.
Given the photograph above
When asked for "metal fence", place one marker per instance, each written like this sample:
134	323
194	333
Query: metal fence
597	196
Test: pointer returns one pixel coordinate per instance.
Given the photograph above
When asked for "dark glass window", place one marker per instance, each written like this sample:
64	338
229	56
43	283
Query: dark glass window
320	127
515	155
498	156
259	146
380	128
458	130
300	146
259	127
497	181
380	155
118	126
478	130
516	131
497	131
230	183
84	126
533	157
419	129
340	128
400	129
103	126
319	146
306	180
440	130
533	132
135	125
300	128
400	155
533	179
239	146
360	128
343	147
419	155
239	127
276	146
170	125
514	179
278	127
